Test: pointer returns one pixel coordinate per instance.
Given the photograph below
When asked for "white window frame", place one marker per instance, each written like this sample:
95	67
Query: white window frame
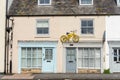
43	35
85	4
44	3
118	3
81	27
89	57
117	55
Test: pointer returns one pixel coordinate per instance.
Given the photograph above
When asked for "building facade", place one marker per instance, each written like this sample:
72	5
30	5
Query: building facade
2	33
39	25
113	42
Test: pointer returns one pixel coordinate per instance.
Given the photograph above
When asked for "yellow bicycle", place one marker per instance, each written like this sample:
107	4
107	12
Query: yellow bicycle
70	36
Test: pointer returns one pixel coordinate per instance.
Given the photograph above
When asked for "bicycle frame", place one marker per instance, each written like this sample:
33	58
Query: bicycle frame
71	36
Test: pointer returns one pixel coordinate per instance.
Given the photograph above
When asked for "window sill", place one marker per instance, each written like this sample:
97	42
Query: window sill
42	36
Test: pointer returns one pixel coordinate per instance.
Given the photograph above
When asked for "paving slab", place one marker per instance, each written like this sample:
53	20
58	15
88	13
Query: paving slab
18	76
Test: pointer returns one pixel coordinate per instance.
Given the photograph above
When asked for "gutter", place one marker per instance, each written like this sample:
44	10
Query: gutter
44	15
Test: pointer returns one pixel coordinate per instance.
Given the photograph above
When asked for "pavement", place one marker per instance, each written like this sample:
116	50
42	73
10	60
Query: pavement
60	76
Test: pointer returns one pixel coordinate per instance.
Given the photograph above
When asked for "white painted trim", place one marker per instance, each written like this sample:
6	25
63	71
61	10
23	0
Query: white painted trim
83	44
42	35
87	35
118	3
77	60
102	58
85	4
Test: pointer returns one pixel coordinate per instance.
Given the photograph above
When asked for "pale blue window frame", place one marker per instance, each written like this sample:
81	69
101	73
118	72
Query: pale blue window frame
28	57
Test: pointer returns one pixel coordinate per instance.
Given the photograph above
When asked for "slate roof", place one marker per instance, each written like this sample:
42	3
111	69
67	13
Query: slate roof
64	7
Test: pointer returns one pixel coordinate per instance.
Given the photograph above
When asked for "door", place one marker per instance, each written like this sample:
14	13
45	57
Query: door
116	60
48	60
71	60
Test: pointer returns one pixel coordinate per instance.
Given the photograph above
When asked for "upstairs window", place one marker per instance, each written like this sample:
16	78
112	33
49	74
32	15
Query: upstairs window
86	2
42	27
118	2
87	27
44	2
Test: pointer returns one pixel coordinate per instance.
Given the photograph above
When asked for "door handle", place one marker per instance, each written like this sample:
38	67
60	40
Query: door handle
48	61
70	61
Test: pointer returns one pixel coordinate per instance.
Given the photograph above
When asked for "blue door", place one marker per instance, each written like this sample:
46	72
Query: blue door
71	60
48	60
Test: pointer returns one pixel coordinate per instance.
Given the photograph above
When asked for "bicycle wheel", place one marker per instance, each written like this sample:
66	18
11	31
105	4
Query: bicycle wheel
75	38
63	38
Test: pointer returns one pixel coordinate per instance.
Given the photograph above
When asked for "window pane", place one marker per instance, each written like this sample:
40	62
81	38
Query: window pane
41	1
34	53
39	62
90	23
97	62
44	1
84	31
42	30
86	1
48	54
28	62
80	62
34	62
85	62
39	52
28	52
45	31
115	52
119	58
23	53
91	53
115	58
83	23
97	53
42	24
24	62
85	53
90	30
80	52
47	1
119	52
91	62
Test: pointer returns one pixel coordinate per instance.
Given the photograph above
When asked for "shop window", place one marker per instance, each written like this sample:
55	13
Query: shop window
31	57
89	58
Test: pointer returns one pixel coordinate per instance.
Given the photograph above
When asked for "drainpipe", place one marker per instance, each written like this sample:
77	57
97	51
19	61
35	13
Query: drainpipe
5	37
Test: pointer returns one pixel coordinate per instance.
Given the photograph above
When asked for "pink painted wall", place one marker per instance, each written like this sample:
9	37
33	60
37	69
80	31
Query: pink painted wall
25	29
